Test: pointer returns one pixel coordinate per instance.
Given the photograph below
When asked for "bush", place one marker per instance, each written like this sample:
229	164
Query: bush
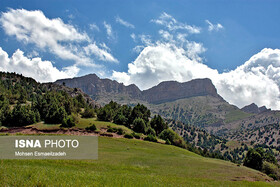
88	113
68	122
167	142
273	176
151	131
110	129
139	125
271	170
150	138
129	136
169	134
120	131
91	128
136	135
253	159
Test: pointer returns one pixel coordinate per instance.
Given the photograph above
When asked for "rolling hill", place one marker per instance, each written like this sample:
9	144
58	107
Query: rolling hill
124	162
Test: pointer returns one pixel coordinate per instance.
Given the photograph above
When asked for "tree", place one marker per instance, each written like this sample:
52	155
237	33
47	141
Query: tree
139	125
253	159
88	113
140	111
56	114
68	122
168	134
158	124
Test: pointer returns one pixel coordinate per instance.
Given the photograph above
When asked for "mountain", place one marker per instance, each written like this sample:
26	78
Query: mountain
173	90
100	89
254	109
195	102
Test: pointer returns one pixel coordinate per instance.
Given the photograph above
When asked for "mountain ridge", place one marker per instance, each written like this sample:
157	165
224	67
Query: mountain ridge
163	92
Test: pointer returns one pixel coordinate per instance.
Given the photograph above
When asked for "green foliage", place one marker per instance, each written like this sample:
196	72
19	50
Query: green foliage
129	136
68	122
91	128
139	125
88	113
34	101
271	170
21	115
150	138
158	124
55	114
167	142
136	135
140	111
151	131
120	131
170	135
253	159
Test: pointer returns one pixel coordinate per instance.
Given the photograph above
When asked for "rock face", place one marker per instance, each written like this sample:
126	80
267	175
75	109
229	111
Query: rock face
163	92
94	86
172	90
254	109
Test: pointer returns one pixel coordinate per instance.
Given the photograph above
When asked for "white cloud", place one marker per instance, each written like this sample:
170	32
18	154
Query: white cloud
258	80
101	54
133	36
42	71
109	30
213	27
172	24
93	26
63	40
124	23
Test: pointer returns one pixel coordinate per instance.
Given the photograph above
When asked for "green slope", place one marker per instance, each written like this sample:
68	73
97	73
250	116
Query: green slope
125	162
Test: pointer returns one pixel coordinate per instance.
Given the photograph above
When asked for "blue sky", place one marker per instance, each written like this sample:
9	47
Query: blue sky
146	42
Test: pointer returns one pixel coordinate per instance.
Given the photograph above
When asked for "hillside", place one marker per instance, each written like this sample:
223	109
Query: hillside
125	162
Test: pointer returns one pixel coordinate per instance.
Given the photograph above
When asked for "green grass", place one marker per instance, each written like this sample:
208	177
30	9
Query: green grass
43	126
125	162
83	123
235	115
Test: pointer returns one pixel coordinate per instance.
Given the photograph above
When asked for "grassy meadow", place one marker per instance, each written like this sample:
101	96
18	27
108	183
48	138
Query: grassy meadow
124	162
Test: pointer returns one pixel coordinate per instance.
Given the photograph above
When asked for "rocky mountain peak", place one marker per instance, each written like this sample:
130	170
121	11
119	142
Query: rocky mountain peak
254	109
173	90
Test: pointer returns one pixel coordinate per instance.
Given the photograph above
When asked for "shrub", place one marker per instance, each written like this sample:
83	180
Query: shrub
91	128
136	135
68	122
150	138
88	113
253	159
169	134
120	131
111	129
151	131
139	125
129	136
167	142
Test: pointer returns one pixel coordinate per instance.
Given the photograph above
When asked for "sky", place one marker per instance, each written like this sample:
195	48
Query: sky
234	43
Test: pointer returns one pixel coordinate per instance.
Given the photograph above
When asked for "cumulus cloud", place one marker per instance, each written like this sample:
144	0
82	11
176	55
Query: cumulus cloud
59	38
213	27
257	80
42	71
124	23
172	24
